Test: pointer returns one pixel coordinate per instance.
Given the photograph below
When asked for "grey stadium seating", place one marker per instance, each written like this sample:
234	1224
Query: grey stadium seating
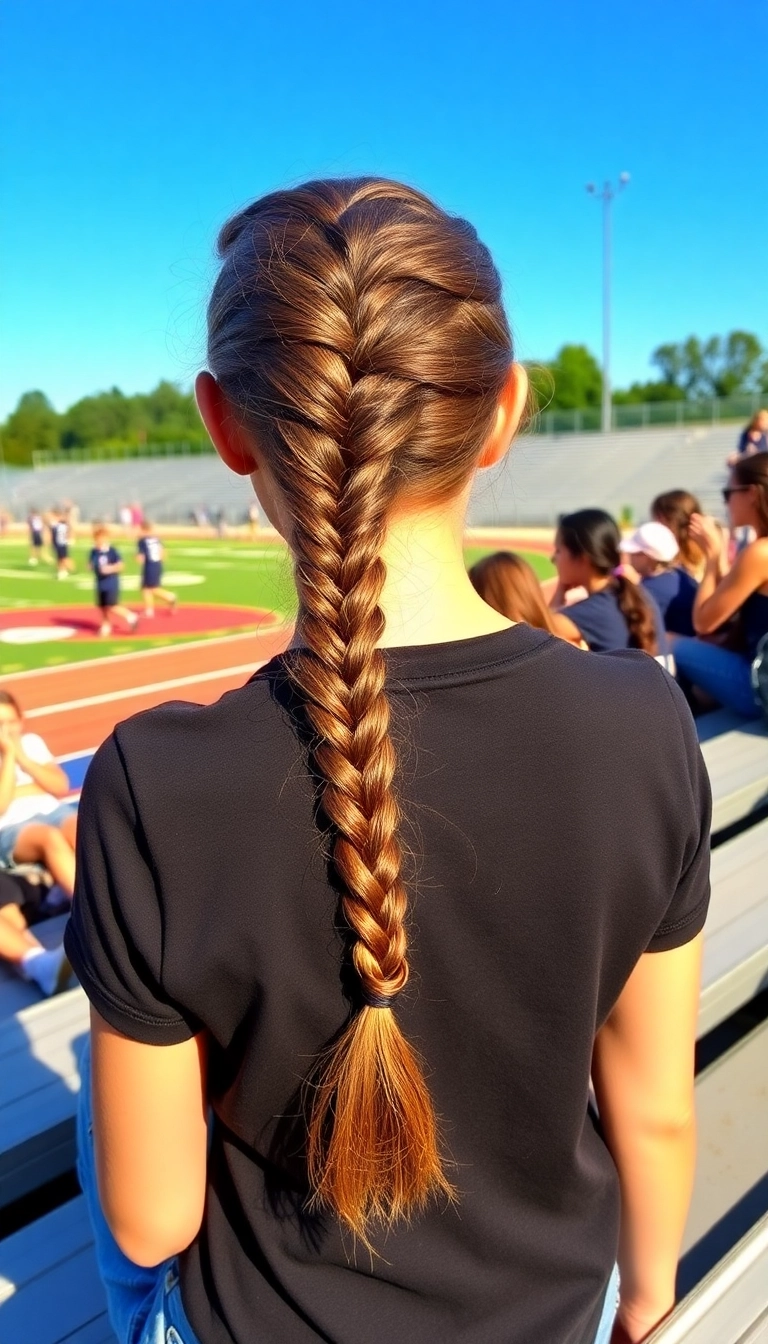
545	476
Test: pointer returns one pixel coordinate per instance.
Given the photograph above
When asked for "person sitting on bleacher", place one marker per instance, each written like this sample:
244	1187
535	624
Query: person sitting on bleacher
22	905
508	584
35	825
616	614
652	551
725	674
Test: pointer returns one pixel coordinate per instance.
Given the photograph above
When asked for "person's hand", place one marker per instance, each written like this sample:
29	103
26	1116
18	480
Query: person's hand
627	570
8	744
706	533
634	1324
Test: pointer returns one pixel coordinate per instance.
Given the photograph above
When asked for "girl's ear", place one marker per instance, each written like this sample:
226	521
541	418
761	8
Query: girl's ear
509	413
227	434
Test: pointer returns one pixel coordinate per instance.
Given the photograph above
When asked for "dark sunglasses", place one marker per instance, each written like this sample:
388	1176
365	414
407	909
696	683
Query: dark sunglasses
734	490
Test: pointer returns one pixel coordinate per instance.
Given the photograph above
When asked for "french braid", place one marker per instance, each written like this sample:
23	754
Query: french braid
359	332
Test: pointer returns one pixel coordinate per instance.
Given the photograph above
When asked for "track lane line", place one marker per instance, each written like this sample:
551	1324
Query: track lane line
151	688
267	629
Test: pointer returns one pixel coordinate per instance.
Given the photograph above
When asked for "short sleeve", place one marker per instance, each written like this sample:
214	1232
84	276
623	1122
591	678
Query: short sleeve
36	749
114	938
686	913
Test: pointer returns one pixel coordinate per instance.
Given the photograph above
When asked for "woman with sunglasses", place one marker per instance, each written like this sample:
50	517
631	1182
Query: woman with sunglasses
722	673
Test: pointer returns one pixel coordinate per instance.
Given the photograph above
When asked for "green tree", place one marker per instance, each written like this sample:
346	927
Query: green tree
640	393
576	377
717	367
32	427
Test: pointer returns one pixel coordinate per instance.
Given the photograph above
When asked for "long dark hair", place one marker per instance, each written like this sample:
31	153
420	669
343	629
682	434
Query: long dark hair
593	533
753	470
358	332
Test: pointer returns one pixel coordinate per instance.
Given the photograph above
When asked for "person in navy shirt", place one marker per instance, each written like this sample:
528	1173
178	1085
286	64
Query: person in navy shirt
652	550
616	613
60	542
36	536
150	555
107	564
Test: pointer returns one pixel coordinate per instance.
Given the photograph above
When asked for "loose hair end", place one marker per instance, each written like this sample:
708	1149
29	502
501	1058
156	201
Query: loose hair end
373	1147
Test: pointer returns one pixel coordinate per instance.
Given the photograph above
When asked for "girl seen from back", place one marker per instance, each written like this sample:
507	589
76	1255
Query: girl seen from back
617	613
508	584
394	1004
726	674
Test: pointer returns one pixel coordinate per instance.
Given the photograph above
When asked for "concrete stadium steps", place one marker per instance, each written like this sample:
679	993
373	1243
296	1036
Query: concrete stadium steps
545	476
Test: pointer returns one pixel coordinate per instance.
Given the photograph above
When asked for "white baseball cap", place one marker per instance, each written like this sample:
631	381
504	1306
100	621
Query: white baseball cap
652	539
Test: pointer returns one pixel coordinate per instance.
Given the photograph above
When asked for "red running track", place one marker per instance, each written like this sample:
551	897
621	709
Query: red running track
76	706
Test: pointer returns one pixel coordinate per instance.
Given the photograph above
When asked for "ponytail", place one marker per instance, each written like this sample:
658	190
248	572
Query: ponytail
638	613
358	332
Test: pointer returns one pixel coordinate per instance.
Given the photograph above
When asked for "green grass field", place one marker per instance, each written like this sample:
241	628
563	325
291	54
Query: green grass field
230	572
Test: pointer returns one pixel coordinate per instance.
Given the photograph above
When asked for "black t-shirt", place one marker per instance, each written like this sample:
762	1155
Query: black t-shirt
556	809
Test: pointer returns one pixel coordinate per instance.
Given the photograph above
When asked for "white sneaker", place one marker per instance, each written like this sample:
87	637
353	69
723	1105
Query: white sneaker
134	621
105	629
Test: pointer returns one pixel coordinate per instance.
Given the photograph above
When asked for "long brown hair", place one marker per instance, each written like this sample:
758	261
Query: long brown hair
359	333
753	470
675	509
594	534
508	584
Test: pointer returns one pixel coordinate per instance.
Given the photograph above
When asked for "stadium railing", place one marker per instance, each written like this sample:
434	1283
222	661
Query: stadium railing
585	419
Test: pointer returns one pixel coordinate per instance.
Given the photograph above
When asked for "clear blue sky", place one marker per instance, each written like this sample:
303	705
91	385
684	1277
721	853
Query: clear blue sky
131	130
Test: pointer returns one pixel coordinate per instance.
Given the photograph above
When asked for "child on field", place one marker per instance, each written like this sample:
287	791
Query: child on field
36	536
107	564
150	555
60	542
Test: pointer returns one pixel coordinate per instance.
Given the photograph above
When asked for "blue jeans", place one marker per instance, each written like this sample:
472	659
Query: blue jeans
722	674
144	1305
610	1307
9	835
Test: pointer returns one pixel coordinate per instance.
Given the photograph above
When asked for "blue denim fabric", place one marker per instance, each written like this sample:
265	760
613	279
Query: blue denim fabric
9	834
144	1305
719	672
610	1307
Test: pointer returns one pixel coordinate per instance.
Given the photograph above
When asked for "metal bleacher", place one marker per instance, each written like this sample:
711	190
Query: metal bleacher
49	1288
544	476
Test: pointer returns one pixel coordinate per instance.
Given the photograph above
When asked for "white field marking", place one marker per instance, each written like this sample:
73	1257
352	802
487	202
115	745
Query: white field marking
135	691
37	575
36	634
191	643
257	552
132	582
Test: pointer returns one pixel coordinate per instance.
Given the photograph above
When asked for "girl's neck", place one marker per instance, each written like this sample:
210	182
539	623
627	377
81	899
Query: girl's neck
427	596
595	583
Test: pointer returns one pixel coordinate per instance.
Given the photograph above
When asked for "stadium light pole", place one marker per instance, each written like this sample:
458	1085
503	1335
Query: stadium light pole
606	196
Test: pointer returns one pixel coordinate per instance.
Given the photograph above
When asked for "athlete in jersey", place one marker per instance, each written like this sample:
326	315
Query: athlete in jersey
60	543
107	563
36	536
150	555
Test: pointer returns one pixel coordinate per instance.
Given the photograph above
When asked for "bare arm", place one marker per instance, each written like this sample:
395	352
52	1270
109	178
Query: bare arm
48	775
7	774
721	595
642	1072
150	1132
565	629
